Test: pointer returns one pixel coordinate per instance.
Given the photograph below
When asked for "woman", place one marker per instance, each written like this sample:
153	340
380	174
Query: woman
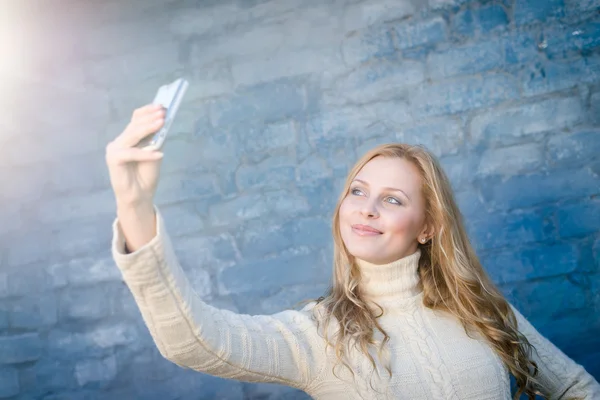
411	313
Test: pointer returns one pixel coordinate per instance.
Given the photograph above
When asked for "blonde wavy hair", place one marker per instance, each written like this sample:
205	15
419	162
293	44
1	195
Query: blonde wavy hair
451	277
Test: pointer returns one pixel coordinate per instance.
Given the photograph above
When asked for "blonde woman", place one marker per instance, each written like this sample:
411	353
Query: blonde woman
411	313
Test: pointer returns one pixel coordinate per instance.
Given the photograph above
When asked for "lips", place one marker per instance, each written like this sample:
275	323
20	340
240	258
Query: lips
365	230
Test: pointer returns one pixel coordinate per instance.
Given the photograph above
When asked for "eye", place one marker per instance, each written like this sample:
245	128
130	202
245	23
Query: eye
393	200
356	191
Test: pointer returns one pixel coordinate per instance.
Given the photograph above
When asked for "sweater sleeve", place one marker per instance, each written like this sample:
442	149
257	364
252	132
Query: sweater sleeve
560	377
282	348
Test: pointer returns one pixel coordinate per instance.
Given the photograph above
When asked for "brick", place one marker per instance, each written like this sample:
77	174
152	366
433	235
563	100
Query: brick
261	239
458	169
84	303
96	371
187	384
461	95
575	7
540	188
509	161
576	149
92	270
547	299
182	155
238	209
321	196
151	366
212	79
107	336
444	4
11	217
536	11
75	207
84	239
184	186
182	219
569	41
553	76
20	348
26	184
375	42
595	107
258	276
463	23
260	38
265	138
441	137
47	376
520	48
9	382
491	17
388	115
336	126
4	313
414	34
286	203
206	252
215	147
313	168
291	297
160	59
260	102
466	60
497	230
272	173
33	312
271	391
368	144
578	219
470	204
65	346
115	37
79	173
525	123
24	281
286	63
379	81
363	15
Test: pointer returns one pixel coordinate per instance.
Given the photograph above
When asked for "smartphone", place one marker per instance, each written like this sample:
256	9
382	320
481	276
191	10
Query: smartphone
169	96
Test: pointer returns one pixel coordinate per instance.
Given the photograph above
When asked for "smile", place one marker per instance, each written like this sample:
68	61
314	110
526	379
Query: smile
364	230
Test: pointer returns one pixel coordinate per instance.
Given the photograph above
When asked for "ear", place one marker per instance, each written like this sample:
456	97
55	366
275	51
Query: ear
427	231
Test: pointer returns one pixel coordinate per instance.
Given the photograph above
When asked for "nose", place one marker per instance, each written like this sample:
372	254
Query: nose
368	210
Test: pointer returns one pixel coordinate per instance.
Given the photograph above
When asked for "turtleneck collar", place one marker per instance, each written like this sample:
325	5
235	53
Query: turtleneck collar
398	279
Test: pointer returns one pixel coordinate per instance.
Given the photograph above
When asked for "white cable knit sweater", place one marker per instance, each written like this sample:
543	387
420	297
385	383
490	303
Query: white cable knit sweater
431	355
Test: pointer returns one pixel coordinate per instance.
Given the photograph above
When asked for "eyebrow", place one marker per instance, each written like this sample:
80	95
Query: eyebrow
385	188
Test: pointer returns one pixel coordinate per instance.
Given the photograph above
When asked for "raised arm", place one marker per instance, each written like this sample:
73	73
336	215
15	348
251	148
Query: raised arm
559	376
283	348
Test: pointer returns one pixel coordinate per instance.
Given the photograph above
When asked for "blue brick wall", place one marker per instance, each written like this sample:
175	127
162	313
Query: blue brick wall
284	97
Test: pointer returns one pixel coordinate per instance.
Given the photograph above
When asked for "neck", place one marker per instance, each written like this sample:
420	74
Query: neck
398	279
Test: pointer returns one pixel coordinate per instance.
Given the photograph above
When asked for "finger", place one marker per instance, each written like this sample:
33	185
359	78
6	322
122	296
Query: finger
132	135
133	154
149	114
149	117
148	108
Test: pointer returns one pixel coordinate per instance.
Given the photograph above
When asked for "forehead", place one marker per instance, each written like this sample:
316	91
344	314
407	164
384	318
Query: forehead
391	172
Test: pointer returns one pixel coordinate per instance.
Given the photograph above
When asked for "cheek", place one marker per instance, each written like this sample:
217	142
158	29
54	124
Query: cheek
402	222
345	210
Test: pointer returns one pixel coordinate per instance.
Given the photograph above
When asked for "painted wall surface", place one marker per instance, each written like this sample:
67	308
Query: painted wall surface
284	96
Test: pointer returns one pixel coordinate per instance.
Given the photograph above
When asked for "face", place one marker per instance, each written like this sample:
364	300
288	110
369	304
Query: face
383	214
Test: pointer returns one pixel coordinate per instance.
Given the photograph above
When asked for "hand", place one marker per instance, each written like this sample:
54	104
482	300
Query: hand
134	171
